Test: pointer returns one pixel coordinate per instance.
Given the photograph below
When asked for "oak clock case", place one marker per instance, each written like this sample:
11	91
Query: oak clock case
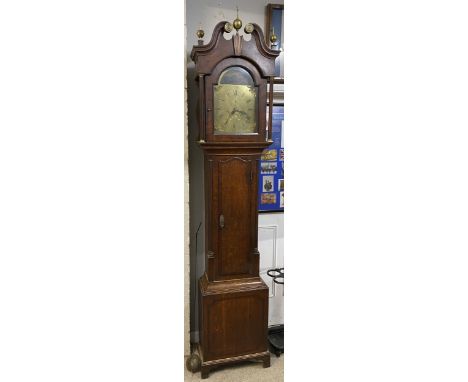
232	78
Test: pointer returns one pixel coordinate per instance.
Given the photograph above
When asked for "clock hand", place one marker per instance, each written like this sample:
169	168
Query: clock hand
229	117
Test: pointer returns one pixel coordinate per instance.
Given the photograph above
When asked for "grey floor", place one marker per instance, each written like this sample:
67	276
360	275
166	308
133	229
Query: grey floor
244	372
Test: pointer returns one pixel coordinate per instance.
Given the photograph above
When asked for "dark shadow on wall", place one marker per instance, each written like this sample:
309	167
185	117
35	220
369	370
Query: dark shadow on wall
196	201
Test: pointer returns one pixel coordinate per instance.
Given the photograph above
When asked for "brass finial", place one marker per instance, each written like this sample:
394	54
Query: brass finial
237	22
200	33
273	37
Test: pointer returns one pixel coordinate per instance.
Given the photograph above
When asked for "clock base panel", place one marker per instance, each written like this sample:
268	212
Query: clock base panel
233	323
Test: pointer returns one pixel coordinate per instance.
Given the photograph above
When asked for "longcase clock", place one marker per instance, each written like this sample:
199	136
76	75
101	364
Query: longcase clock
233	74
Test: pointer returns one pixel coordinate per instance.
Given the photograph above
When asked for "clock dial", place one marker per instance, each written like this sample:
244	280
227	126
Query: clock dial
235	110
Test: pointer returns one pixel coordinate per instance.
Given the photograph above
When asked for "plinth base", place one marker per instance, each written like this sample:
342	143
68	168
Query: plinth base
206	367
233	323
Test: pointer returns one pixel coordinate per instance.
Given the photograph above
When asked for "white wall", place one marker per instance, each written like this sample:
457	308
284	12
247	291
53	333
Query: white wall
271	248
206	14
186	222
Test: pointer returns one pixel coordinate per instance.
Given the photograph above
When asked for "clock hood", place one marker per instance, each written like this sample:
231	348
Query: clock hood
255	50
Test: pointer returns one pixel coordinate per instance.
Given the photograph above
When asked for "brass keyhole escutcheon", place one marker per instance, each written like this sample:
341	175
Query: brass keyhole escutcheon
221	221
